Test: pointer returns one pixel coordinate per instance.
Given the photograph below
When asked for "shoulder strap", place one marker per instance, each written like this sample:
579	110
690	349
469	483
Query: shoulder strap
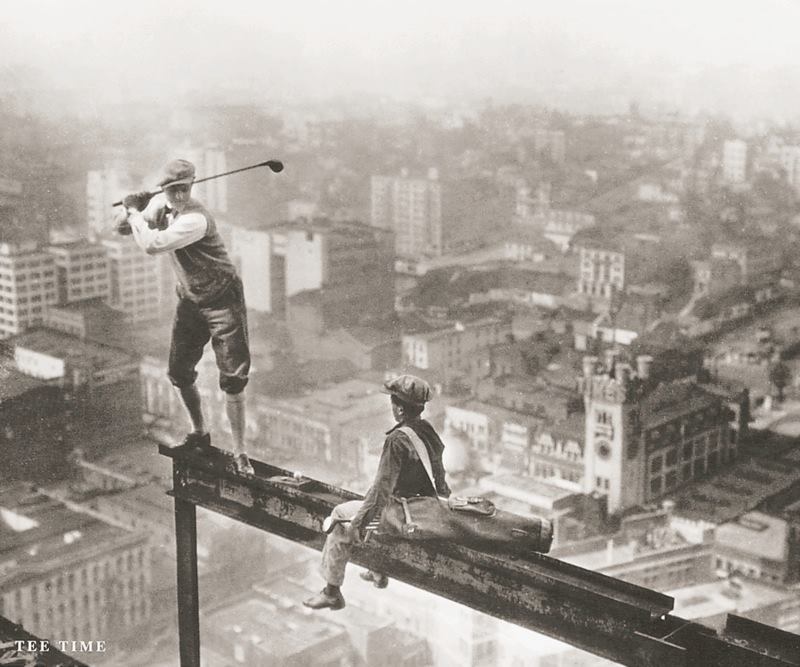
422	452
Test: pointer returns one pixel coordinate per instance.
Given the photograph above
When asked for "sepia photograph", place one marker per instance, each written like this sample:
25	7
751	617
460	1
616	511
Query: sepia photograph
371	333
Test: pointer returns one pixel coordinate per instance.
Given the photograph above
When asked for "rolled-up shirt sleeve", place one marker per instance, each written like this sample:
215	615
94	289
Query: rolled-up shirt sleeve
184	230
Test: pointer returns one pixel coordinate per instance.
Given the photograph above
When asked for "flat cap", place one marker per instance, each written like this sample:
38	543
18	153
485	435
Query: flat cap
409	389
176	172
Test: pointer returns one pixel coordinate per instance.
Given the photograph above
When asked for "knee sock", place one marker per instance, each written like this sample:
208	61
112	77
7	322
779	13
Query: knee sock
193	404
235	408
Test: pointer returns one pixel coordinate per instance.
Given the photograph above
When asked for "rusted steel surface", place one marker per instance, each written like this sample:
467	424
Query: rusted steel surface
605	616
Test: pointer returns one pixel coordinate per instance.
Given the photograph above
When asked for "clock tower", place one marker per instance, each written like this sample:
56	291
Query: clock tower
614	457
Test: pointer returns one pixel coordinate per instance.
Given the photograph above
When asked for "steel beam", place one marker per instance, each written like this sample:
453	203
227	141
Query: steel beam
188	593
625	623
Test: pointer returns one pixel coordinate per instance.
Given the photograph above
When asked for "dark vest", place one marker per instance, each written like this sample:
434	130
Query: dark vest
413	480
203	268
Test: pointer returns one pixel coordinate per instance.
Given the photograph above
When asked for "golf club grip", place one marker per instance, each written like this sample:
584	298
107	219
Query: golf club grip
275	166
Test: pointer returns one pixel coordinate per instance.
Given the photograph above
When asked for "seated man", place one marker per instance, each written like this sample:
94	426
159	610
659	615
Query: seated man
400	473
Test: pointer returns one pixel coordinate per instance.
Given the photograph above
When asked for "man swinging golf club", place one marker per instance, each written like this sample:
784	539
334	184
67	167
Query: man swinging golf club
210	297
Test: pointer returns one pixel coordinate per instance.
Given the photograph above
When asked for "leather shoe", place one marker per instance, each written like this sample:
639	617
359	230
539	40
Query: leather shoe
378	580
197	441
323	600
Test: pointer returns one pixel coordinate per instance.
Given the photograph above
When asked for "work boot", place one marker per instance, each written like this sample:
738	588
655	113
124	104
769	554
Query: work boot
199	441
242	465
378	580
326	599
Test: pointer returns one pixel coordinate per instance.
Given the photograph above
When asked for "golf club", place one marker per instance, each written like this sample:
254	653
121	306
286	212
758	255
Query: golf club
276	166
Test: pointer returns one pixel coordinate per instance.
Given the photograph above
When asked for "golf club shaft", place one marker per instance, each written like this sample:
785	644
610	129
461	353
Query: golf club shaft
274	165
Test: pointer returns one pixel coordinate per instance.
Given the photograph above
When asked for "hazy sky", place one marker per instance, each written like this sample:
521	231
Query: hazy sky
149	47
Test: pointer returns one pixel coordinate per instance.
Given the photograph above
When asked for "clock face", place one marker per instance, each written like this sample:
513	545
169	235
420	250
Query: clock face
603	449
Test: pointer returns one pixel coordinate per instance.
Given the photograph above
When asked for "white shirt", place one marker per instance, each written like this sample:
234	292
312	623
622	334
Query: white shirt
182	230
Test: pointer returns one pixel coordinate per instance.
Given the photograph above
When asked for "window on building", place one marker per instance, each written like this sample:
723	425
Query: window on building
603	417
655	486
672	457
655	464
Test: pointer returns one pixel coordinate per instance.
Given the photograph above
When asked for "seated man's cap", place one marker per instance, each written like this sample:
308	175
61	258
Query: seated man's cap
176	172
409	389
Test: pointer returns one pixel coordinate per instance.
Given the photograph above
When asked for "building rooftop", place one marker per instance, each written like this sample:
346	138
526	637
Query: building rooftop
78	244
736	490
573	427
757	534
87	306
38	533
527	490
535	281
342	402
74	351
671	400
13	383
738	595
288	589
496	413
449	327
277	630
616	552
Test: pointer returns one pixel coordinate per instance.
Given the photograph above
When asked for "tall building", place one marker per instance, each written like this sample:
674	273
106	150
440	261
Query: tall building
431	218
602	271
251	251
790	162
136	280
91	319
209	161
349	264
734	161
34	419
27	286
344	423
65	574
446	352
644	441
103	188
10	204
81	271
412	208
101	382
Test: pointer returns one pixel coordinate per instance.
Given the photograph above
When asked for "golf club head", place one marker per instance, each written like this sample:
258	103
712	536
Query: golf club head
276	166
